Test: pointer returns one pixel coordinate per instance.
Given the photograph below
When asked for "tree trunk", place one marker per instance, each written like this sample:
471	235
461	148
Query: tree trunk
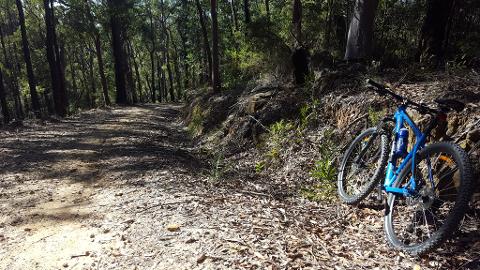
176	69
300	54
85	86
161	81
297	22
99	54
206	43
73	76
183	40
130	80
28	62
60	61
138	87
16	88
152	58
3	101
246	10
234	14
267	8
12	81
59	96
152	64
360	33
215	54
432	37
93	87
117	8
170	79
101	70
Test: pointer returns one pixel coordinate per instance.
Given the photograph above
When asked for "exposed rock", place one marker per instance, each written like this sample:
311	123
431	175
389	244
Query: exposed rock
474	135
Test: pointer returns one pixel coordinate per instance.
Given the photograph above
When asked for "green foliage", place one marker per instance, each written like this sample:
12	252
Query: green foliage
218	167
260	49
308	113
260	166
375	116
320	192
195	127
324	170
277	136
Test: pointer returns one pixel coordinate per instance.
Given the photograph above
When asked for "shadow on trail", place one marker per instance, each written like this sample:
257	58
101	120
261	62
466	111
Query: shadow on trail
130	140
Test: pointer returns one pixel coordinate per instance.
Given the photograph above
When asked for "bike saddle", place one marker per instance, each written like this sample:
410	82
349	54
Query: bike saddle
450	104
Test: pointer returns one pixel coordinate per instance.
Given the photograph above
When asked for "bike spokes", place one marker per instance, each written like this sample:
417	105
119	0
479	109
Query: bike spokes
416	218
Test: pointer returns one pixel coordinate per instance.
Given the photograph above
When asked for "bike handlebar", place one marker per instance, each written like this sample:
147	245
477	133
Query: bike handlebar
384	90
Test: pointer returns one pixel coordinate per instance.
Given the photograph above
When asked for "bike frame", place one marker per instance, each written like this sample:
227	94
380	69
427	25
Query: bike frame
393	171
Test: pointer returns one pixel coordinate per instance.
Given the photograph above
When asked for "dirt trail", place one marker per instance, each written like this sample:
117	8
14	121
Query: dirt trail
65	187
124	189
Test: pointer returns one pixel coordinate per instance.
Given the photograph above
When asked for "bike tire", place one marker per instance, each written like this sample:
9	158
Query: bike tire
375	177
454	216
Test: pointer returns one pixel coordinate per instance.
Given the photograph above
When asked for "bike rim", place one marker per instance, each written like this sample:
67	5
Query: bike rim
415	219
357	175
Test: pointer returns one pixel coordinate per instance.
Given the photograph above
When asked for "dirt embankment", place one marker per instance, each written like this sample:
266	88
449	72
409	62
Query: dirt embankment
126	188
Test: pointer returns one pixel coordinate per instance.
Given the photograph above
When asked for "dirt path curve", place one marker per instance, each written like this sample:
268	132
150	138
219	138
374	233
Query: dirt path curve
124	189
70	191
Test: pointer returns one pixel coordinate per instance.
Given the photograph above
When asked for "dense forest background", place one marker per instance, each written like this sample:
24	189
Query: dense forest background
62	56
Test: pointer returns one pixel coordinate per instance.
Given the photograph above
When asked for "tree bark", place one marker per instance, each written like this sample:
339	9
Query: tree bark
216	83
206	43
152	66
297	22
28	62
60	61
58	88
176	69
138	80
152	57
3	101
166	52
300	54
93	86
117	9
360	33
267	8
101	70
13	79
433	33
234	15
161	79
99	55
130	79
170	79
183	40
246	10
18	100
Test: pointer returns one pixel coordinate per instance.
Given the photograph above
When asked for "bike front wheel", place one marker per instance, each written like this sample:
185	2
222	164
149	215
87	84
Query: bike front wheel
362	166
421	222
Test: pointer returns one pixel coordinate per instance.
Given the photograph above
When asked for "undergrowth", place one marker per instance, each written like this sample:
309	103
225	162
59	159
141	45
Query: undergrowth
324	170
195	127
283	134
218	166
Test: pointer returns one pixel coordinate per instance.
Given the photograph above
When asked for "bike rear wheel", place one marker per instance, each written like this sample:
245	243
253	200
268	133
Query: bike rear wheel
417	224
362	166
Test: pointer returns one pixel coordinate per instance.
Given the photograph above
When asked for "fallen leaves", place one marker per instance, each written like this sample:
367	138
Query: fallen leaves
173	227
202	258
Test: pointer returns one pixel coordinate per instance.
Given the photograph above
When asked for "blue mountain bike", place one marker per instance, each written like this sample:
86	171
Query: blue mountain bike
428	186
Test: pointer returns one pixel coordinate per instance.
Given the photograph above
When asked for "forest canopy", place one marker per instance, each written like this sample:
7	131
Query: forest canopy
61	56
